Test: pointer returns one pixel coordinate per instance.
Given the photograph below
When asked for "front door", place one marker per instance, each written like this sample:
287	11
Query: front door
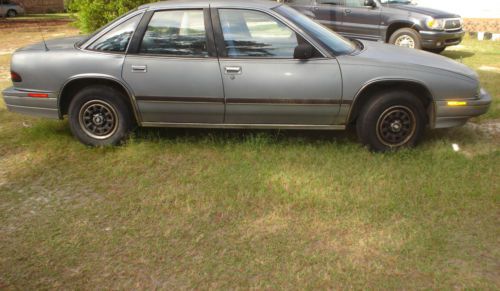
174	76
263	83
361	21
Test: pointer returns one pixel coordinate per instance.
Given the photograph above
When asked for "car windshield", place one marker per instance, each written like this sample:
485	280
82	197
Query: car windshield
395	1
88	37
335	42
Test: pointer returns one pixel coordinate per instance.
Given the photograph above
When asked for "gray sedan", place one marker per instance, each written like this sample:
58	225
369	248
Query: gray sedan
239	64
10	9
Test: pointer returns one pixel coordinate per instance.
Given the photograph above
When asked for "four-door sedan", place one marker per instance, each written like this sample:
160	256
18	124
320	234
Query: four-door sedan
239	64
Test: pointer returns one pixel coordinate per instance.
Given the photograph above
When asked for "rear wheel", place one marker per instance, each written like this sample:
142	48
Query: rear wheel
406	37
391	121
11	13
99	116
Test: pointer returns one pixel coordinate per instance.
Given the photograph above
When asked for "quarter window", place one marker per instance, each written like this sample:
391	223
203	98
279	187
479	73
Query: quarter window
256	34
176	33
118	38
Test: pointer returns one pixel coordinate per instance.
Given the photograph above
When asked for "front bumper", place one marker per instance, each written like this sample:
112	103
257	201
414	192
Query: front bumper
440	39
20	101
452	116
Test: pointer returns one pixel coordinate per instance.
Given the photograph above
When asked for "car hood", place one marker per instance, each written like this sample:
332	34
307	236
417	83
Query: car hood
423	10
56	44
411	58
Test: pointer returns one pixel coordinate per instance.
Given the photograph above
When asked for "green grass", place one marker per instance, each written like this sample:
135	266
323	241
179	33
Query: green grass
215	209
45	17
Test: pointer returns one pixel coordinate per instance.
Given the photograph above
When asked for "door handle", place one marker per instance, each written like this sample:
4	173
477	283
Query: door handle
347	11
139	69
233	70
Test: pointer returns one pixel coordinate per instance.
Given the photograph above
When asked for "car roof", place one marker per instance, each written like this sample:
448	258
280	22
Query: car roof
262	4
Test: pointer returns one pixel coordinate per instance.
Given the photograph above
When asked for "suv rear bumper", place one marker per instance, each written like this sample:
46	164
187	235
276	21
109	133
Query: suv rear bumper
440	39
452	116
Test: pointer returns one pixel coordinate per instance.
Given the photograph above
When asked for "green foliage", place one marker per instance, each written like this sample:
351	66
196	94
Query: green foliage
92	14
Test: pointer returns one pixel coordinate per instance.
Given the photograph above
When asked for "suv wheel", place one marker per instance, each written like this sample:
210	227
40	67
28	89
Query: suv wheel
391	121
99	116
11	13
406	37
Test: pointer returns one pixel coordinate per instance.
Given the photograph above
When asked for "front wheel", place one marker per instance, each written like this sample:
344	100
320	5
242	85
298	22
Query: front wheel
406	37
391	121
99	116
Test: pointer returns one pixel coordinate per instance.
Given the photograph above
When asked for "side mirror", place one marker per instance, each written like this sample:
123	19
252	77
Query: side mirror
370	3
303	51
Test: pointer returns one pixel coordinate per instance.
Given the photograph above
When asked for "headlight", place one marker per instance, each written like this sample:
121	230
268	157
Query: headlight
437	24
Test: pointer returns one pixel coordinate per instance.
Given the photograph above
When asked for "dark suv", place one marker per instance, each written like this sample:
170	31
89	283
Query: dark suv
393	21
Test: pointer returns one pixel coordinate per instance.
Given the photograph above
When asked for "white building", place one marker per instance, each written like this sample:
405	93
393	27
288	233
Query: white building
466	8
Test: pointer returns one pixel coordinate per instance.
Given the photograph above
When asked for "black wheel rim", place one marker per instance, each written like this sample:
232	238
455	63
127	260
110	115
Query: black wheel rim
396	126
98	119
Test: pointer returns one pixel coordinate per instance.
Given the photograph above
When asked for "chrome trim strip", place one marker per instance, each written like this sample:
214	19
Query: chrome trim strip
244	126
371	82
131	96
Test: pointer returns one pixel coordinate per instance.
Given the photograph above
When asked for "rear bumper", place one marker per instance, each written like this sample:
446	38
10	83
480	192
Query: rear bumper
453	116
440	39
19	101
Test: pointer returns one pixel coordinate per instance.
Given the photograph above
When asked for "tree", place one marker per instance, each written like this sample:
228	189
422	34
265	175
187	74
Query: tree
92	14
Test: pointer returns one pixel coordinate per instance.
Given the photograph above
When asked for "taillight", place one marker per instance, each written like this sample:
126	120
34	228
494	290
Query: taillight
15	77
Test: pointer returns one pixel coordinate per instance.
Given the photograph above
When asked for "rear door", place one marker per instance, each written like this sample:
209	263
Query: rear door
263	83
329	13
361	21
174	71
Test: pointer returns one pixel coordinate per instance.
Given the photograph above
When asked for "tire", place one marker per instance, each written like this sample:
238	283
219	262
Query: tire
11	13
436	51
391	121
406	37
99	116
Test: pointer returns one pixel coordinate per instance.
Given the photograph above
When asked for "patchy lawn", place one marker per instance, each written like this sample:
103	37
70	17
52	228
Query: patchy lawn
200	209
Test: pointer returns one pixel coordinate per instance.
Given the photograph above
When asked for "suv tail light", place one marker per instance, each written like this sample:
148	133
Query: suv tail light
15	77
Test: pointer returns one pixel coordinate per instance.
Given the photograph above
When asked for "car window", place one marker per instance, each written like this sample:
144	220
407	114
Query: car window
331	2
255	34
355	3
176	33
118	38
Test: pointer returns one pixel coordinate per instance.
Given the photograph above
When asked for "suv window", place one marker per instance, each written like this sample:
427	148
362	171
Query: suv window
299	2
255	34
118	38
176	33
355	3
331	2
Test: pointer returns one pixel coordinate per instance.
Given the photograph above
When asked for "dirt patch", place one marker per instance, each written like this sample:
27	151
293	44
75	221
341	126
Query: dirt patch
488	127
482	24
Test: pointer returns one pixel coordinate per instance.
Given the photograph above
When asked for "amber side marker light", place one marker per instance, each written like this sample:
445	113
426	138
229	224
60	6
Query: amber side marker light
38	95
457	103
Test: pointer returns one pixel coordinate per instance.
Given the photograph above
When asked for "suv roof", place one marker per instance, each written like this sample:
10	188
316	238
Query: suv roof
212	3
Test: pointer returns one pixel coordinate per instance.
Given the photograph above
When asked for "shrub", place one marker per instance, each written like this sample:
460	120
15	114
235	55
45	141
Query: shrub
92	14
